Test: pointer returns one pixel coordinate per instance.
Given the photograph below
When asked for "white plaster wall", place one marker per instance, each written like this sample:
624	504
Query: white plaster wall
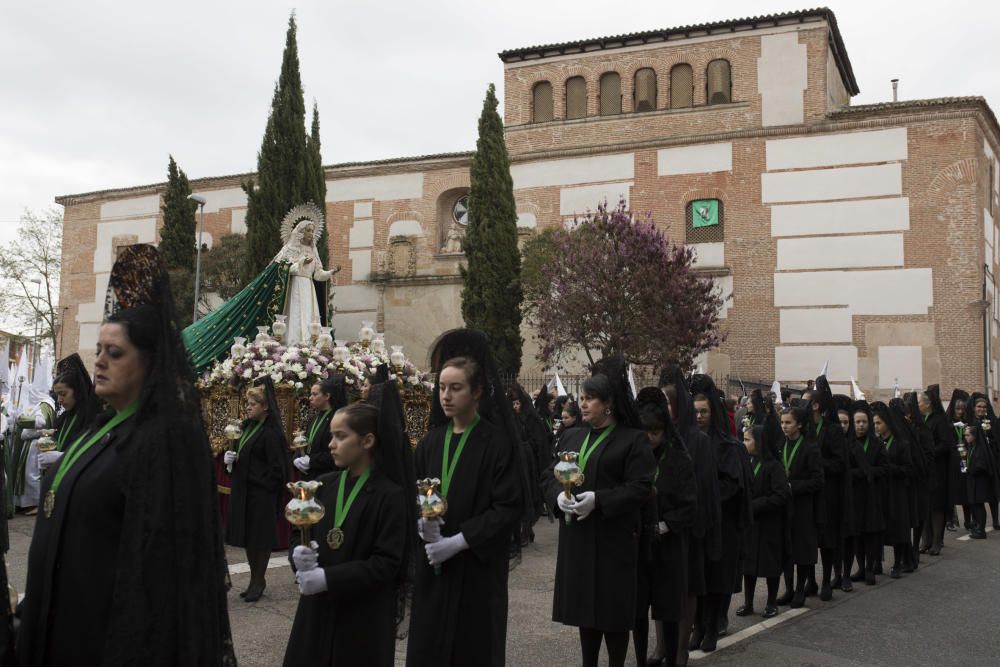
361	264
238	224
799	363
379	188
725	285
827	184
781	79
94	311
840	252
815	325
347	325
134	207
585	198
882	292
145	230
703	159
842	217
363	209
902	362
830	150
709	254
836	92
527	220
227	198
355	297
405	228
88	336
574	171
361	234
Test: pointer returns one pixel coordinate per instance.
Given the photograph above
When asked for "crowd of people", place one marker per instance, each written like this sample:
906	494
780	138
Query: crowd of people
681	504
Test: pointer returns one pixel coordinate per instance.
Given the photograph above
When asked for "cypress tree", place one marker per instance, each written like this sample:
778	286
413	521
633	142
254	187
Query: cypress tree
318	182
491	295
283	163
177	238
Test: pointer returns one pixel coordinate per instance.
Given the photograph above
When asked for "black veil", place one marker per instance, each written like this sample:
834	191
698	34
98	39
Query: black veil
616	370
651	398
704	384
956	396
71	372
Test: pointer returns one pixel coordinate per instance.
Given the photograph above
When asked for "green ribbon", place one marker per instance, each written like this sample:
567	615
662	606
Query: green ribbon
586	450
819	425
959	434
315	426
659	461
888	443
64	434
784	454
342	509
448	465
926	417
247	435
867	439
756	468
82	444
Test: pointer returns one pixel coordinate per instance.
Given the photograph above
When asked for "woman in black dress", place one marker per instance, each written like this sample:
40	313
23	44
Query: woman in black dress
959	408
890	427
867	478
597	563
804	468
766	540
982	411
459	615
932	412
663	543
536	450
325	398
353	579
260	471
74	391
126	565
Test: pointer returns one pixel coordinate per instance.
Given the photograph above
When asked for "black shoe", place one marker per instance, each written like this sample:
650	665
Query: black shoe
826	593
783	600
798	600
655	662
811	588
243	594
770	612
951	525
709	643
858	576
924	549
696	638
978	534
895	572
847	586
837	581
934	550
253	594
996	526
870	579
745	610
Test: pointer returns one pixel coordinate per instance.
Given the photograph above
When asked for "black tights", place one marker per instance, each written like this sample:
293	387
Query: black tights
590	645
978	512
257	559
867	548
934	530
749	588
804	571
832	562
684	629
994	507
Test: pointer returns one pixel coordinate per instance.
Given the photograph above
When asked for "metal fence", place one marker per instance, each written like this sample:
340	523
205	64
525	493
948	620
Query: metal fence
731	384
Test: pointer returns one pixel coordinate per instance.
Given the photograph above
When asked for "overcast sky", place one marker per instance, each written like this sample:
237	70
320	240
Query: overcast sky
96	94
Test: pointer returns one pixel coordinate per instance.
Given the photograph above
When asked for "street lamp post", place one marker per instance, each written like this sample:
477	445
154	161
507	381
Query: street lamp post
34	340
201	201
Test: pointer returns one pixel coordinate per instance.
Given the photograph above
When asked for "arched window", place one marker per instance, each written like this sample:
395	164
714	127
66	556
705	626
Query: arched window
576	97
610	98
541	102
644	98
718	83
704	221
681	86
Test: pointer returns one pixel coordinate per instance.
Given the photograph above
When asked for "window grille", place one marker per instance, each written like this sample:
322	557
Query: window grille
576	97
541	102
610	94
718	82
696	230
681	86
645	90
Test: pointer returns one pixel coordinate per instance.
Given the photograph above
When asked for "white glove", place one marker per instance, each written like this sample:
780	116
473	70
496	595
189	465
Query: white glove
662	528
585	504
445	548
30	434
567	505
45	459
311	581
302	463
39	421
305	558
429	530
229	458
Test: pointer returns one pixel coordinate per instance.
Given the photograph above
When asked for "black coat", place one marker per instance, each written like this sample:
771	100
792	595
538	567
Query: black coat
65	616
354	622
722	574
665	556
459	617
706	532
867	478
766	540
805	476
259	476
320	458
938	467
923	450
899	473
980	476
838	506
596	567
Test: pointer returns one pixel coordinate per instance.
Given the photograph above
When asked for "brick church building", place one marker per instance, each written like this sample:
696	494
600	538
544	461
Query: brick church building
863	235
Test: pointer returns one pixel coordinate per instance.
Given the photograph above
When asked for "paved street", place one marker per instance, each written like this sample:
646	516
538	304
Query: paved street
945	614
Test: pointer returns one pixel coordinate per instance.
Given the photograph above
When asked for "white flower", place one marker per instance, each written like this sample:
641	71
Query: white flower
302	375
296	367
268	363
414	380
298	385
276	377
247	373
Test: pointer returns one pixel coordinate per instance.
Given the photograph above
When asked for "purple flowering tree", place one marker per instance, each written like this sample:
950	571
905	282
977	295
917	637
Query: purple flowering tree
615	284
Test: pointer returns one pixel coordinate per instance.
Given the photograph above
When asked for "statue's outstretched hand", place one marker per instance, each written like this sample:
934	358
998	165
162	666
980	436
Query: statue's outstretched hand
307	260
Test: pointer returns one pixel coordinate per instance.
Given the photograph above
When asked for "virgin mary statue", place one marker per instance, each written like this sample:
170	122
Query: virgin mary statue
293	284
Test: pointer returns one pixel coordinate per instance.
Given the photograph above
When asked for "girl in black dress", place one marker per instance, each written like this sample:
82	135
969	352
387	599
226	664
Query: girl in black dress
663	544
352	579
74	391
260	471
126	565
765	540
325	398
982	411
605	514
890	427
867	473
933	414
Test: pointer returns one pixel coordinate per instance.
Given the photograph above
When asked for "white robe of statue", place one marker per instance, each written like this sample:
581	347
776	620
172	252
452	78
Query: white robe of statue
301	305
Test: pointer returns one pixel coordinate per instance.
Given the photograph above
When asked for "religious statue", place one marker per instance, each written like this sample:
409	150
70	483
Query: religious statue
294	284
453	243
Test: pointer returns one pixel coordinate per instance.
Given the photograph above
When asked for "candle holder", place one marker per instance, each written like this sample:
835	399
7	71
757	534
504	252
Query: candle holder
233	432
314	329
341	354
299	443
280	326
304	510
262	335
46	443
378	344
366	334
397	358
987	426
431	505
239	347
963	457
325	339
568	472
